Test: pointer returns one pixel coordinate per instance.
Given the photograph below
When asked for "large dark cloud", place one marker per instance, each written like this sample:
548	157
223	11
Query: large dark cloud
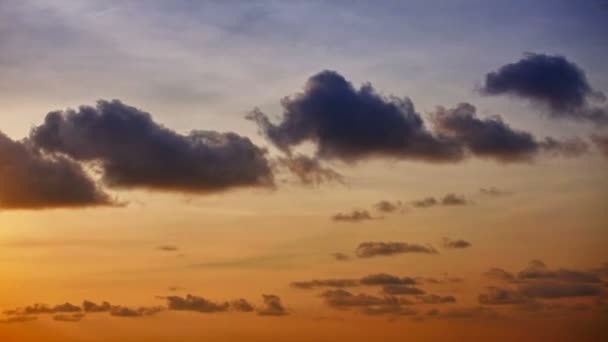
552	81
133	151
493	138
32	180
371	249
351	124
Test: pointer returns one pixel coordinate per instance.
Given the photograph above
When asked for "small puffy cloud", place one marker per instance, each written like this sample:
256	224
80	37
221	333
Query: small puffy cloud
387	206
241	305
425	202
455	244
195	303
386	279
89	306
354	216
374	248
339	283
340	256
272	306
453	199
123	311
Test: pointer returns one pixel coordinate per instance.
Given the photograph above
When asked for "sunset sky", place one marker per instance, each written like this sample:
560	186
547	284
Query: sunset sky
303	170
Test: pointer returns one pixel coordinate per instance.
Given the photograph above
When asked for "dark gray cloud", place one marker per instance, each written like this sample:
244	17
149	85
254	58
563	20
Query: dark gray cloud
388	206
309	171
375	248
455	244
89	306
38	181
493	138
449	199
342	299
551	81
386	279
195	303
352	124
537	270
38	309
354	216
340	256
601	142
315	283
133	151
273	306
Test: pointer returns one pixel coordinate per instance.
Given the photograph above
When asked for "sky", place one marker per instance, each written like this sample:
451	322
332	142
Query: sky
303	170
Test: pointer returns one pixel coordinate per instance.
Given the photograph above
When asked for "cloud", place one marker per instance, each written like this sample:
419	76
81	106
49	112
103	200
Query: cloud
341	299
554	289
402	290
354	216
425	202
436	299
551	81
352	124
340	256
325	283
309	171
89	306
493	138
386	279
37	309
494	192
241	305
195	303
387	206
18	319
32	180
123	311
499	274
273	306
537	270
133	151
453	199
372	249
478	312
77	317
168	248
500	296
455	244
601	142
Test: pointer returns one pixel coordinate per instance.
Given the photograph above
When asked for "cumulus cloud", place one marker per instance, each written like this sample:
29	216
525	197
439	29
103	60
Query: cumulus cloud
89	306
352	124
425	202
309	171
455	244
386	279
241	305
342	299
493	138
123	311
273	306
376	279
133	151
30	179
373	248
453	199
554	289
353	216
537	270
554	82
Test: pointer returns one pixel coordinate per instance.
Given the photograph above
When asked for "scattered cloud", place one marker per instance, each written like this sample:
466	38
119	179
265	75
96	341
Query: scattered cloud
338	256
601	142
272	306
373	249
195	303
168	248
455	244
425	202
388	207
354	216
308	170
325	283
